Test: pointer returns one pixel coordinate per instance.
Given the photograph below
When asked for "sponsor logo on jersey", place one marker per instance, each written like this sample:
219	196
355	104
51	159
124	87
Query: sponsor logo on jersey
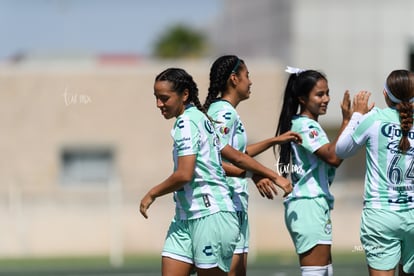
208	250
227	115
180	124
394	133
208	126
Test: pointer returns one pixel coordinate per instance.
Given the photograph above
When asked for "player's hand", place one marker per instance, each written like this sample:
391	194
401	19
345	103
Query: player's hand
288	136
265	186
360	102
346	106
284	184
146	201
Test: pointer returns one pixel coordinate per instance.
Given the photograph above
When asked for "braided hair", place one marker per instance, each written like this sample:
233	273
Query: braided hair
299	85
220	72
401	85
181	81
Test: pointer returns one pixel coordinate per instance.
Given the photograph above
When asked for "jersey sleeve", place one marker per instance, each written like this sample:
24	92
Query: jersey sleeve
360	134
346	146
313	136
186	136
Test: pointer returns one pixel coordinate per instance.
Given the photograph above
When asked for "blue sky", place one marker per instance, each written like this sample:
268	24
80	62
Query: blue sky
94	26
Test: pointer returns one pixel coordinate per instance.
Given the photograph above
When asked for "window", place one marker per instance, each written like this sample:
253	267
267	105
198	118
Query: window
86	166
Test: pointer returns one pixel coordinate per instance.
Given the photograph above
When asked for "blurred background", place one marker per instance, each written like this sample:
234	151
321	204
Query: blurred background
82	141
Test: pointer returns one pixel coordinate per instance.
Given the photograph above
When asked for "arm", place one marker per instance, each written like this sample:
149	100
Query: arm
327	152
345	146
183	174
232	170
246	162
259	147
264	185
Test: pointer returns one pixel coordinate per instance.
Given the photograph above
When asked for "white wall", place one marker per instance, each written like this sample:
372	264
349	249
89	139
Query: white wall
356	43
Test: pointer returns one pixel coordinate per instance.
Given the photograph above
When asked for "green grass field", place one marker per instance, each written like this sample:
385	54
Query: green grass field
264	264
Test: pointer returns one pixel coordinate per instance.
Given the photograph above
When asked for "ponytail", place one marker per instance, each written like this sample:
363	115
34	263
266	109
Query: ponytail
289	109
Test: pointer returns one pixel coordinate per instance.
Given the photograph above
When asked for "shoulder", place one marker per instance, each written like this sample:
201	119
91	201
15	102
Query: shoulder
304	124
190	116
221	105
377	114
222	111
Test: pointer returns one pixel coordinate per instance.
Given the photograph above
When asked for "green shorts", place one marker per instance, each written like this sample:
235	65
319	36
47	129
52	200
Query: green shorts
242	245
308	221
206	242
388	238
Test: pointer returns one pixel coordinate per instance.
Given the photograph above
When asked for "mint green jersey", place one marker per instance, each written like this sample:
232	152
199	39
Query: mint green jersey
311	176
231	131
389	180
207	193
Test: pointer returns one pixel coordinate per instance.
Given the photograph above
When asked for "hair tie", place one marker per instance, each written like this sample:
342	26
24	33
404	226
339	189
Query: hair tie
294	70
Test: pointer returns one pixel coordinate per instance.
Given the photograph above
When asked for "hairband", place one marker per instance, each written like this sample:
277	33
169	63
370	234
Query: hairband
294	70
392	97
236	66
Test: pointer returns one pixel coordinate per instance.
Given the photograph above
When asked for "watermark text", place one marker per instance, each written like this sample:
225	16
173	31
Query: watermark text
75	98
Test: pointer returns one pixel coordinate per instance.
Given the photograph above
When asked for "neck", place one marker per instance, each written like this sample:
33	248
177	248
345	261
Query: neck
309	115
231	100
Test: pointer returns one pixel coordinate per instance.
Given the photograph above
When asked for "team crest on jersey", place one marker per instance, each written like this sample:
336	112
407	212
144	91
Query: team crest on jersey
328	227
224	130
313	132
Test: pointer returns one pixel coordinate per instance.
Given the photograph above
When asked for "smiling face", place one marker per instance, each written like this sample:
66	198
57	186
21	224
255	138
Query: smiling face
168	101
317	101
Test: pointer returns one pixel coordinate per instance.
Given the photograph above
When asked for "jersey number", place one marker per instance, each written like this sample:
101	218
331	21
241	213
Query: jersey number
395	173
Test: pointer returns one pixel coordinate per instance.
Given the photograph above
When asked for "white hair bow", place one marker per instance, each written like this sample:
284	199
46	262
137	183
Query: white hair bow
294	70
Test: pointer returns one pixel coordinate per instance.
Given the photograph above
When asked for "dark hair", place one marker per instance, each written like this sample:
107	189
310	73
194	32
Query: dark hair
299	85
220	72
181	81
401	85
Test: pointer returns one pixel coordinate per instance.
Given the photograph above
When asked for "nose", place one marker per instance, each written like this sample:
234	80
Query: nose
159	103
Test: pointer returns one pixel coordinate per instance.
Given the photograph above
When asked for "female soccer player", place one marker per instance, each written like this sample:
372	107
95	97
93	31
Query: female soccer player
229	85
387	222
313	164
205	229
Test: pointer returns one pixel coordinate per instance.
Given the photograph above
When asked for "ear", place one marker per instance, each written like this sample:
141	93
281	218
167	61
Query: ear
301	101
185	95
233	79
387	99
